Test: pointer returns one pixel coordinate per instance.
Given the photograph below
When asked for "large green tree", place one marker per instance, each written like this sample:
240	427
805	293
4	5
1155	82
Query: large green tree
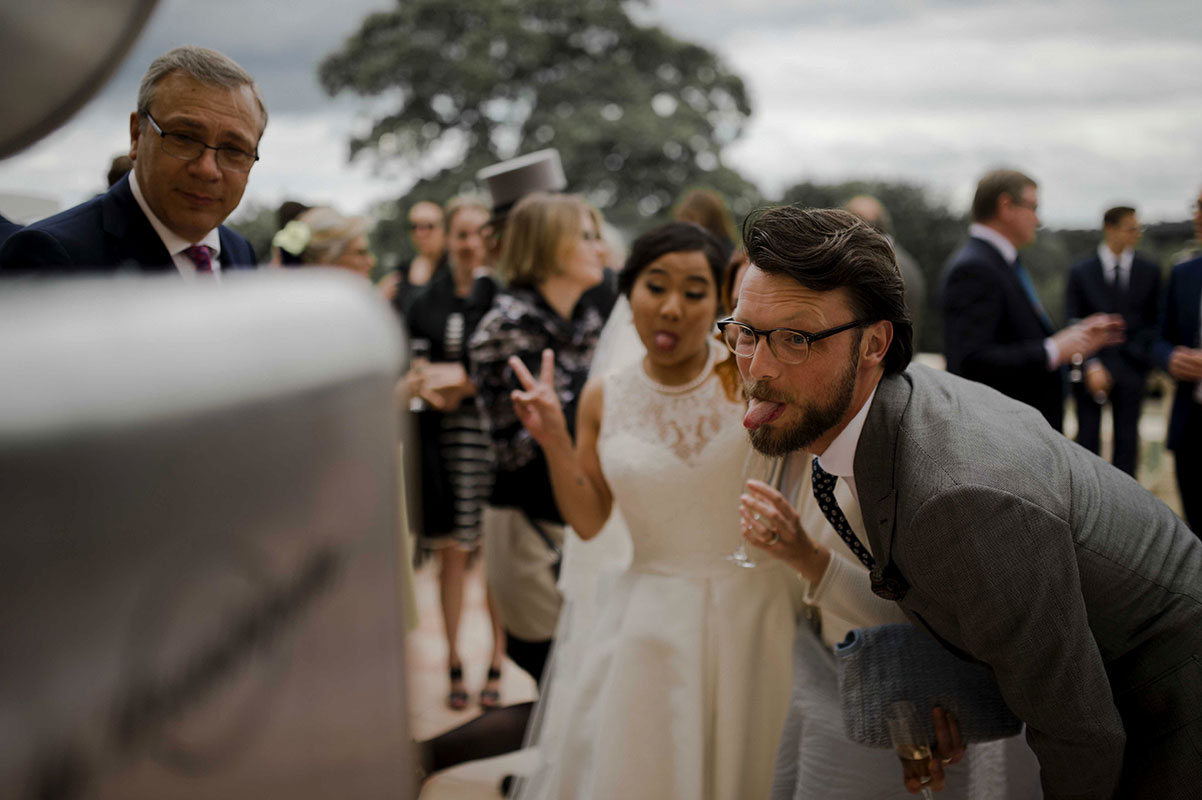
635	113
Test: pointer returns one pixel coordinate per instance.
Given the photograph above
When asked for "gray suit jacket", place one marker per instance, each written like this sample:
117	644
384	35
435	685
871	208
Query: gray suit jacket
1079	589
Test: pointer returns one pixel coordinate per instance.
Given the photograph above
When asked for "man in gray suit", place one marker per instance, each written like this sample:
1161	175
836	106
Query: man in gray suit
1008	543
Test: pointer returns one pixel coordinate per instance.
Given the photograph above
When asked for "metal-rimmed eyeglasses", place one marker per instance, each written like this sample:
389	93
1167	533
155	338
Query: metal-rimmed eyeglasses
187	148
788	346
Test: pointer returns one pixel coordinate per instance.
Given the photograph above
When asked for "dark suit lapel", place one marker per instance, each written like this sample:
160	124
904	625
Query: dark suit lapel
1010	277
235	253
1193	294
874	466
130	239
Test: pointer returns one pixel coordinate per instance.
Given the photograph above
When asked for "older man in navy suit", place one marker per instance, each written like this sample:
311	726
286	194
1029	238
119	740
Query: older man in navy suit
995	330
193	139
1116	280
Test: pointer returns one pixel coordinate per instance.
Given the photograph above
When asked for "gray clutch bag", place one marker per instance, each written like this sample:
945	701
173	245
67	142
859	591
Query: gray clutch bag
886	663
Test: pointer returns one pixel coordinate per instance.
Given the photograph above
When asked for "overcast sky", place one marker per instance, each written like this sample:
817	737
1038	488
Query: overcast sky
1101	102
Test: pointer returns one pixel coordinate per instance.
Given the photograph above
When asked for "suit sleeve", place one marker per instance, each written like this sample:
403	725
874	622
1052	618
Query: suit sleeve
974	314
1074	297
1140	343
1006	571
1171	331
32	251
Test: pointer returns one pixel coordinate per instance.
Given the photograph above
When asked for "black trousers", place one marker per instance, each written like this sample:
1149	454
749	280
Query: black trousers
530	656
1126	402
1188	457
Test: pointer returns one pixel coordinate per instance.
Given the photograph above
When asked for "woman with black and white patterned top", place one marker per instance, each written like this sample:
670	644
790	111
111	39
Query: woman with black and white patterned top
551	256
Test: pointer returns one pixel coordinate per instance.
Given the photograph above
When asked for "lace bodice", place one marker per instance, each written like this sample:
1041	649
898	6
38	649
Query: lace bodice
674	457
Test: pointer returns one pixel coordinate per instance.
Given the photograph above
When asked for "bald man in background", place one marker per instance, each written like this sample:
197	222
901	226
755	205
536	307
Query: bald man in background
870	209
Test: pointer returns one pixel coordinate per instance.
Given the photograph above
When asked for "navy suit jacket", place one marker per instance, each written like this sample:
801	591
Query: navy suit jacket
108	233
7	228
1179	326
1088	291
992	334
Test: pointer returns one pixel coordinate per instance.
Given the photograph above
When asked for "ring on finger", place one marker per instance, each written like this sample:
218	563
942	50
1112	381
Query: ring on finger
755	515
775	538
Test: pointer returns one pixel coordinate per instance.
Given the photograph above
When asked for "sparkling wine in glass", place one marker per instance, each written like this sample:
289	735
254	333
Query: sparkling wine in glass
774	479
910	742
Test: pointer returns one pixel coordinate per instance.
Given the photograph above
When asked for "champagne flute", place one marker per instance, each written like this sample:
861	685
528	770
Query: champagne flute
420	359
910	742
775	477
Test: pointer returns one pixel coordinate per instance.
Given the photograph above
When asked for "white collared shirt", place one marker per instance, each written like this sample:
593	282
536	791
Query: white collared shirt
839	457
1108	259
174	243
1001	243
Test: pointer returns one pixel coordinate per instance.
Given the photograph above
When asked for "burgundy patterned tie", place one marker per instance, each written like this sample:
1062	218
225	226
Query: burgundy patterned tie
202	257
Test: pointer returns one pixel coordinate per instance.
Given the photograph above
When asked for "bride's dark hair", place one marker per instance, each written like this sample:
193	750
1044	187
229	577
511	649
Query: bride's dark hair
674	237
684	237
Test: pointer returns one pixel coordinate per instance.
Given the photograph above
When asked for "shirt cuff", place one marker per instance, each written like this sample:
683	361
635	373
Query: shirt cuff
846	592
1053	354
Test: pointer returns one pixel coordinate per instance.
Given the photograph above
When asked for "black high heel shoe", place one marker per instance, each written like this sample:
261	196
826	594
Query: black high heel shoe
457	697
490	695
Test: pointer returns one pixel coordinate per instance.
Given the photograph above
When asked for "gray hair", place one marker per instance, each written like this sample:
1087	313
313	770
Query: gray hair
330	233
205	65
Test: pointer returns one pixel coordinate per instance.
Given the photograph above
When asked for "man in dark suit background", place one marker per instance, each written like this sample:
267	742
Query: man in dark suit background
995	330
1116	280
193	139
1178	351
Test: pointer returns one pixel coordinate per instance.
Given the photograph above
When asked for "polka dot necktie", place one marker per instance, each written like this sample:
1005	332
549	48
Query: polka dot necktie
824	492
202	257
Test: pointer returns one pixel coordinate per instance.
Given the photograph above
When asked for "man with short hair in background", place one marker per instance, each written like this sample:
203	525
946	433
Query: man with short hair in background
1115	280
995	330
193	140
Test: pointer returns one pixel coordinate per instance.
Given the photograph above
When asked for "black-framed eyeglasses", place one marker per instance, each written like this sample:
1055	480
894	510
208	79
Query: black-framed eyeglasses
182	146
788	346
422	226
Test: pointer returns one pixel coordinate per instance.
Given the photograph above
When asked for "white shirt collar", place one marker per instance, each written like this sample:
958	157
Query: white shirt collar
839	457
1001	243
175	244
1107	257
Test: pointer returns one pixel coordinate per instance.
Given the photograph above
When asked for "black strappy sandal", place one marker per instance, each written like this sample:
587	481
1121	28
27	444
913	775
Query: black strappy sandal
457	698
490	695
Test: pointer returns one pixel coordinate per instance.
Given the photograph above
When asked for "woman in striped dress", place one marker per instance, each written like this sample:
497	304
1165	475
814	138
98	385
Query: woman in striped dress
457	465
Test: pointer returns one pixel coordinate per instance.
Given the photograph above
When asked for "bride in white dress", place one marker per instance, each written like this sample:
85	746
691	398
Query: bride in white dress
681	688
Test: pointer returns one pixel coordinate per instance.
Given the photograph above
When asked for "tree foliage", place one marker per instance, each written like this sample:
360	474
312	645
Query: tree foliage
635	113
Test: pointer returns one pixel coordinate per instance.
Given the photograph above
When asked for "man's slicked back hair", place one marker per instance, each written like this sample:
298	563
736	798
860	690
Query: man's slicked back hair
828	249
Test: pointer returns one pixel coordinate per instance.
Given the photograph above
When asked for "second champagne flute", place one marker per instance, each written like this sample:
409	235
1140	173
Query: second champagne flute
910	742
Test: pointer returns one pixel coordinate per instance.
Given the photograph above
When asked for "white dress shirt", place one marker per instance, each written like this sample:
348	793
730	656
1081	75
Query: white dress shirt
1124	260
174	244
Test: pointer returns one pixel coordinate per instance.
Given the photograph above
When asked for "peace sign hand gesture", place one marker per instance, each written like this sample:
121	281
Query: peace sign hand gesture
537	405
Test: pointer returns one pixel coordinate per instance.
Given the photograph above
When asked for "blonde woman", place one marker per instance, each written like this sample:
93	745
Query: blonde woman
323	237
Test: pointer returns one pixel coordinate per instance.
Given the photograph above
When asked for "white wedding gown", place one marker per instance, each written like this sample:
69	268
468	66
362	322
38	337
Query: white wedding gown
680	686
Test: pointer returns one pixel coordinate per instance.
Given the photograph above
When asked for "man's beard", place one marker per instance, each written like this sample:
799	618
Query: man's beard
817	416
